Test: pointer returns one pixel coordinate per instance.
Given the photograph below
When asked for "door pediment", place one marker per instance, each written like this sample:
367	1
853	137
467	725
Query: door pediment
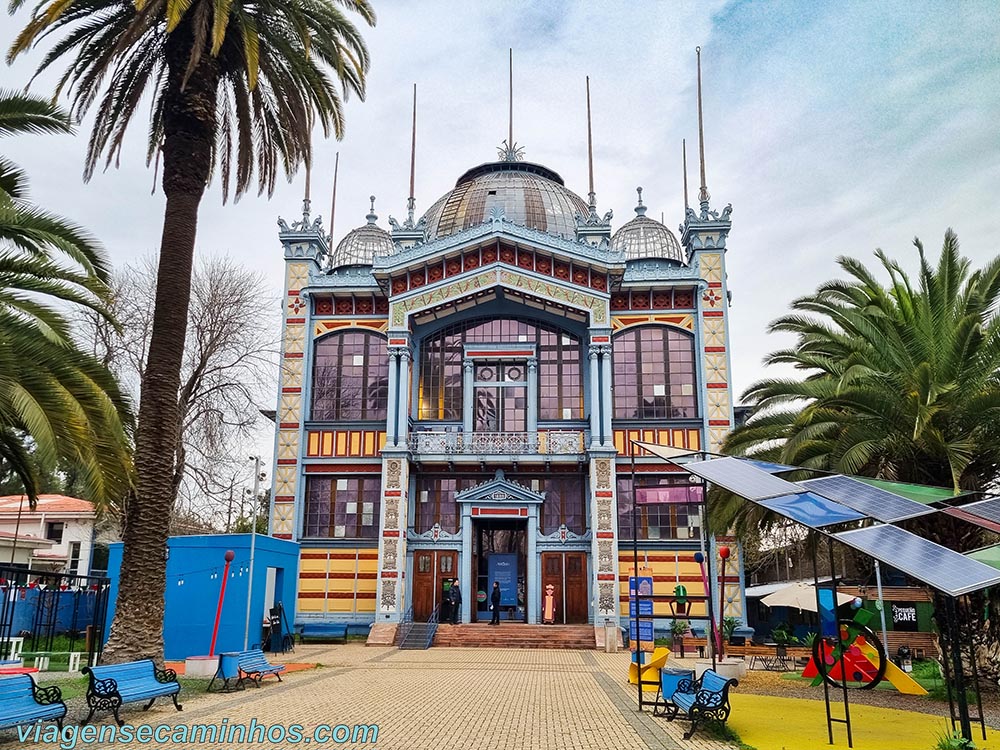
501	491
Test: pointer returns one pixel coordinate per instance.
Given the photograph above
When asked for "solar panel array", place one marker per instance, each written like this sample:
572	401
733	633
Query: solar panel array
741	478
872	501
943	569
811	510
768	466
988	509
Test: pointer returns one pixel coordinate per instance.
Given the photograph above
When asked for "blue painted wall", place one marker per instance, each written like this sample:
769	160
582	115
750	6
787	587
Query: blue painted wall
194	578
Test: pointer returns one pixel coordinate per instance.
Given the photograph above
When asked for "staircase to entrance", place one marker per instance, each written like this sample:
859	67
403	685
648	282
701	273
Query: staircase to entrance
515	635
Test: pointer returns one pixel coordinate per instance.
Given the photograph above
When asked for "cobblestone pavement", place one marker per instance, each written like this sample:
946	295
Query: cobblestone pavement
473	699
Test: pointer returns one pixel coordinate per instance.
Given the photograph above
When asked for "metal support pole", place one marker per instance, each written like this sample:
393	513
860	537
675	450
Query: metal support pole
840	642
881	603
253	545
822	667
711	636
955	637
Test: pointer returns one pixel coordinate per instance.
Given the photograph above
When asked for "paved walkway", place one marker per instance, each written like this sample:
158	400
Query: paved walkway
473	699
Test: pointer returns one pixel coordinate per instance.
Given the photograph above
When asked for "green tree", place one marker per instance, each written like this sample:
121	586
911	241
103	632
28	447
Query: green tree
901	382
235	85
58	405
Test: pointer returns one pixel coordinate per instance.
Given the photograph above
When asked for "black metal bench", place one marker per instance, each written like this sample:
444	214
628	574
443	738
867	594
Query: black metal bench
23	702
112	685
704	698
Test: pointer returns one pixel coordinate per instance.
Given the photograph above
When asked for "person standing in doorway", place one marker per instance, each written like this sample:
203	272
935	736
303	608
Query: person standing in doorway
495	603
456	602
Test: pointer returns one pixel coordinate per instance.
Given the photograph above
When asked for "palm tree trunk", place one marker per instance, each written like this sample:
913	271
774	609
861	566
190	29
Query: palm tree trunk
189	118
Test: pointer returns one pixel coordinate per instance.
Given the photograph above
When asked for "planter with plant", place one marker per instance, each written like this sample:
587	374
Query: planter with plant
679	629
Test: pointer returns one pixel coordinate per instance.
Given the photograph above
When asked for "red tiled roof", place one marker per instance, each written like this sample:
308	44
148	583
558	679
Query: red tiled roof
46	504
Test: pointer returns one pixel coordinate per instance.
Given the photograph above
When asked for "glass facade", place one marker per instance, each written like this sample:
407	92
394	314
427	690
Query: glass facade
350	377
560	370
342	507
654	374
657	520
565	501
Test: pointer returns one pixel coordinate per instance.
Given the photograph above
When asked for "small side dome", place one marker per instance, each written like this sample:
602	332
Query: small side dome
361	245
646	238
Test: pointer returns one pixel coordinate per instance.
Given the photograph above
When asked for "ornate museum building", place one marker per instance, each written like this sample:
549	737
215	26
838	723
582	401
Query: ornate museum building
459	395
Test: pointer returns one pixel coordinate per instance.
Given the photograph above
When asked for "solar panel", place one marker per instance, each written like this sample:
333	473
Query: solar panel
742	479
939	567
811	510
769	467
988	509
872	501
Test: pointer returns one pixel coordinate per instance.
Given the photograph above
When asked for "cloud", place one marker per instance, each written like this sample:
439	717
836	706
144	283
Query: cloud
832	129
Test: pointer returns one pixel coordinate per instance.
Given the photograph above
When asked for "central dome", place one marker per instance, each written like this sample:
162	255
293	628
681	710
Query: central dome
530	194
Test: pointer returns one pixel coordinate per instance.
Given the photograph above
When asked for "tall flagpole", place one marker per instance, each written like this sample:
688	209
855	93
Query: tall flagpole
253	545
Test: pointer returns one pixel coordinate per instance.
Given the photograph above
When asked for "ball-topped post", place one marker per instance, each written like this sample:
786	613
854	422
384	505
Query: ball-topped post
228	557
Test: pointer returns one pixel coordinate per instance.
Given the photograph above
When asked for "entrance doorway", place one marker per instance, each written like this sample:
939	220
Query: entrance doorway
566	572
431	568
500	553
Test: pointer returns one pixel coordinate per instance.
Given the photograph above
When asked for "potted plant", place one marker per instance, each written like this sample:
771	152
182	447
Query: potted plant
679	629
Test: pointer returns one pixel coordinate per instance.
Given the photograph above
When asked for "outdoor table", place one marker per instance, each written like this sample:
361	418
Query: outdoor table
10	648
776	662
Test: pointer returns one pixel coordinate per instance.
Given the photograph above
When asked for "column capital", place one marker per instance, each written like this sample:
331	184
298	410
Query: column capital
467	365
532	364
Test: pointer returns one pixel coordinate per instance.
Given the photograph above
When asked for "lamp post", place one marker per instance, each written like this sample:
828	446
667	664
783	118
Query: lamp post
253	545
719	634
222	594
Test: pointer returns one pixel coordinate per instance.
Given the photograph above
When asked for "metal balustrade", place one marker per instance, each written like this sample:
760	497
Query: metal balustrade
544	442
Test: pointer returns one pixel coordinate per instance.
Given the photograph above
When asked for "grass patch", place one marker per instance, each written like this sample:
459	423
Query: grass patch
718	730
76	687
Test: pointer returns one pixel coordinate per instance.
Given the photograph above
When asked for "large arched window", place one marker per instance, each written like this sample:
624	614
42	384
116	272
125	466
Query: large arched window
350	377
654	374
560	366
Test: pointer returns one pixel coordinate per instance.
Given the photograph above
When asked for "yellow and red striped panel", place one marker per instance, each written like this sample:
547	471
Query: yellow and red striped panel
341	580
668	569
689	439
344	443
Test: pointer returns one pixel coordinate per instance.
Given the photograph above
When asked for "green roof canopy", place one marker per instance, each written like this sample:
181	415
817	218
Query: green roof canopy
921	493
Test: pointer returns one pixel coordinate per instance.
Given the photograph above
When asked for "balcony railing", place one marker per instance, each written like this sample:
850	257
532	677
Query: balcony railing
547	442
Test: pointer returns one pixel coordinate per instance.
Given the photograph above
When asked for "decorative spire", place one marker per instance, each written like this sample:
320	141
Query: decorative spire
640	210
684	167
411	202
592	197
306	203
333	200
703	195
509	150
372	216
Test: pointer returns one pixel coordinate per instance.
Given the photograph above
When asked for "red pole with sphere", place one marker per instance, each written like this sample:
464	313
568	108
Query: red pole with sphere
222	594
719	634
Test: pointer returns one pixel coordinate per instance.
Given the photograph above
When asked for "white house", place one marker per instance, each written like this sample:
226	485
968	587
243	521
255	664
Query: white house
56	535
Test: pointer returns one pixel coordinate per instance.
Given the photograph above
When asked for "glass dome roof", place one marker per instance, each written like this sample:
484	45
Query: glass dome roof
530	194
646	238
360	246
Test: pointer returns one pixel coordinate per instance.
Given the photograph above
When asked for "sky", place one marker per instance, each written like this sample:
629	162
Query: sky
832	128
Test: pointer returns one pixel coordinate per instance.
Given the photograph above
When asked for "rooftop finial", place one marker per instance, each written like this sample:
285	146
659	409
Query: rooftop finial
509	150
684	167
372	217
333	200
306	203
640	209
590	154
703	194
411	202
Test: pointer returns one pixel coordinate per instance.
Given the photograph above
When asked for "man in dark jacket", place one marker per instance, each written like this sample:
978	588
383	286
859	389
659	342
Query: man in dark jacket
456	602
495	603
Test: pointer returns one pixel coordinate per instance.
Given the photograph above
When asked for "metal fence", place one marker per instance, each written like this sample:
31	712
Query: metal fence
49	618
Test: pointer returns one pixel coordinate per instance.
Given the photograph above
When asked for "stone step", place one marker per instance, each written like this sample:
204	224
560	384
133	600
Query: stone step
515	635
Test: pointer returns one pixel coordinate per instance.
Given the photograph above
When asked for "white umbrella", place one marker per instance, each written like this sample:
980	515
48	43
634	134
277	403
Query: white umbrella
801	596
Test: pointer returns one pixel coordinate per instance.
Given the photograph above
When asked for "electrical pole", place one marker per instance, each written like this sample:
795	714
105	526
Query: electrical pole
253	545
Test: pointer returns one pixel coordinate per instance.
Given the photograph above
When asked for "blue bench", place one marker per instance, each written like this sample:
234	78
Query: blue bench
322	631
112	685
253	665
23	702
705	698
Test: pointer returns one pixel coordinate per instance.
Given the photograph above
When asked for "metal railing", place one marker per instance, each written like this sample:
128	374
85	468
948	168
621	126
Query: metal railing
546	442
405	626
432	626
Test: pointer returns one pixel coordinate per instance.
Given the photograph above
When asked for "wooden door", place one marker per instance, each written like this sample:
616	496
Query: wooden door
430	569
576	587
566	572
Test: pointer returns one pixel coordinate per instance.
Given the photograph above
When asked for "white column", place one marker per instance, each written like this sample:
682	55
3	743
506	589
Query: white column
606	394
468	395
466	582
595	396
532	420
403	389
534	579
393	396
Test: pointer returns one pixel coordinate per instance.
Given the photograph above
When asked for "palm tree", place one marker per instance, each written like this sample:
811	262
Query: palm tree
901	382
235	85
56	402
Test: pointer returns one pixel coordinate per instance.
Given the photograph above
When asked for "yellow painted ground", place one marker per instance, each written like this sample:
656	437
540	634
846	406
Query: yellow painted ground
769	723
